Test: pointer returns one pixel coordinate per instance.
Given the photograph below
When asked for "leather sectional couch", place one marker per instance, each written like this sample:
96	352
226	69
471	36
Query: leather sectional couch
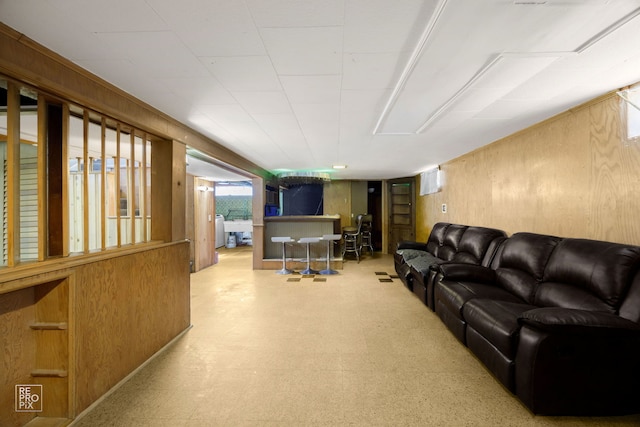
555	320
448	243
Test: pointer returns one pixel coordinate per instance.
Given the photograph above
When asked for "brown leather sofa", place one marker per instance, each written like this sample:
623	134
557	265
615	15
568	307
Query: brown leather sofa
556	320
414	261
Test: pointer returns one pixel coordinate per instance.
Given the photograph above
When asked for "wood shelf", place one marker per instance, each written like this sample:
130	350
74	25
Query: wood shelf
49	326
50	373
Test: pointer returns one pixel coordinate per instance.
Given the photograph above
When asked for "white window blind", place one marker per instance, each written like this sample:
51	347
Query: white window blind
430	181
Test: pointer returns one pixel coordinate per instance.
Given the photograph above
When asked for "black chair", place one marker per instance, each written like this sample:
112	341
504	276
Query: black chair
366	228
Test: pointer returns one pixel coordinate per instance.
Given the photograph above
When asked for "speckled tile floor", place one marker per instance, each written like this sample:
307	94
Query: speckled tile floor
350	351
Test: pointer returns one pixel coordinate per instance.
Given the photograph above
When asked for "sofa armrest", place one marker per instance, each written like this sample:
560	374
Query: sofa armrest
577	362
406	244
564	320
465	272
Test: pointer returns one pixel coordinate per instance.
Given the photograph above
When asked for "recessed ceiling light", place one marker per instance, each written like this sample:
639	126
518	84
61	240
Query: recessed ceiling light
339	166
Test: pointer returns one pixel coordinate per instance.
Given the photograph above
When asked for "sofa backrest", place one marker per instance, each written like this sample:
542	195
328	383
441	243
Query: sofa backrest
478	245
452	237
589	275
521	263
436	237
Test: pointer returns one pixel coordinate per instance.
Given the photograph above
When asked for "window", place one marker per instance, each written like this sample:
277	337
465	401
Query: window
28	175
430	181
109	198
71	180
19	183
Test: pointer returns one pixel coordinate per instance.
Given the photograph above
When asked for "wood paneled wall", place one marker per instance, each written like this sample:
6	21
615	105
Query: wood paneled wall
18	344
204	224
114	313
574	175
127	308
337	200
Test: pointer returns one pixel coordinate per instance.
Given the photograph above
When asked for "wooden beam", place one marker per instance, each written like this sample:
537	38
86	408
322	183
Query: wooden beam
42	178
85	182
13	174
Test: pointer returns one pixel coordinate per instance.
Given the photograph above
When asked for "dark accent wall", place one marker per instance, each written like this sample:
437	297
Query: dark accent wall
305	199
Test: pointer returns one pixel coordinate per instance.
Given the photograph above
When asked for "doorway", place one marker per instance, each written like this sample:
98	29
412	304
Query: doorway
401	210
219	209
374	206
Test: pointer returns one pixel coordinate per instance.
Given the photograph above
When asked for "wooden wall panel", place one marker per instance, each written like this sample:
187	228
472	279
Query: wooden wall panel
18	345
257	209
337	200
178	191
204	220
127	309
190	228
573	175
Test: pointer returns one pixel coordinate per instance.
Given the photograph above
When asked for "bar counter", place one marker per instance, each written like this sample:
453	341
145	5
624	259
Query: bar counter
297	226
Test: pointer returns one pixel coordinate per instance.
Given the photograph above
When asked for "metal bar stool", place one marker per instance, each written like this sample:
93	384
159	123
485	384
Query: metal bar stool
308	241
284	241
330	238
365	233
351	236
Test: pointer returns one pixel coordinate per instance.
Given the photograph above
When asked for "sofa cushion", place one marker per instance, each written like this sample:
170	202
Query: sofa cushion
589	275
409	254
436	237
552	294
454	295
497	322
517	282
451	241
474	244
423	262
528	252
522	262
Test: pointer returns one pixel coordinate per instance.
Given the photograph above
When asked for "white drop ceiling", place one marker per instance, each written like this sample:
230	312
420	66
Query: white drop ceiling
387	87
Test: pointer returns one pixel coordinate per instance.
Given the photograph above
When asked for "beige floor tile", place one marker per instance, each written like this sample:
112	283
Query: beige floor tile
350	351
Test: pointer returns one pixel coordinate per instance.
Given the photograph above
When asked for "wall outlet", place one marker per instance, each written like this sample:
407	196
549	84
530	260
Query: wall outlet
444	208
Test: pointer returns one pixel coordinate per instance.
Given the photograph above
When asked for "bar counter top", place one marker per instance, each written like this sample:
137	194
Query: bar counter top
297	227
301	218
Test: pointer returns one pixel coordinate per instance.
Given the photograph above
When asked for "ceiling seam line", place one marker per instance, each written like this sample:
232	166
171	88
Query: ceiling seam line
411	64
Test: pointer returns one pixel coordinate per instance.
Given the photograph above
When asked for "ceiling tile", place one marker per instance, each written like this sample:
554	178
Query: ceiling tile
107	16
232	114
263	102
304	51
372	70
312	89
243	73
384	26
297	13
199	90
212	27
326	113
159	54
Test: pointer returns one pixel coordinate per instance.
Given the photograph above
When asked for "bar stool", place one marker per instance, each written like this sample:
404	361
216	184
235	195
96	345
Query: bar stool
351	236
330	238
365	232
284	241
309	241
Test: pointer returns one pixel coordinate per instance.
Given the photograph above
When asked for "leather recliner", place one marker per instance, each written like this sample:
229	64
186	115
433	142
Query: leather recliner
557	321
